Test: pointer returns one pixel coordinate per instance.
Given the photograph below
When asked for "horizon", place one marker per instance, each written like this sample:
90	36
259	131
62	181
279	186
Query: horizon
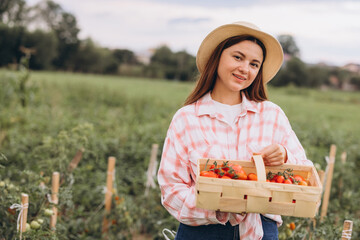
326	31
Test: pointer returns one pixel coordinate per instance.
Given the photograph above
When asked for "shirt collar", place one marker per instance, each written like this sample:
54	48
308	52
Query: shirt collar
205	106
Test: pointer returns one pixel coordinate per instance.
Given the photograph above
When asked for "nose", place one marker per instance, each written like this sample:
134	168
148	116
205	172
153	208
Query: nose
243	67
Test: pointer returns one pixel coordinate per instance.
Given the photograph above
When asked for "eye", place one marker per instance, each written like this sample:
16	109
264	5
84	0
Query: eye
237	57
256	65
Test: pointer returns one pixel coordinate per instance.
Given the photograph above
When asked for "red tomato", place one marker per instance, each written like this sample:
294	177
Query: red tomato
225	166
298	178
288	181
229	169
208	174
221	172
215	169
252	177
237	172
292	226
280	179
225	177
303	183
273	179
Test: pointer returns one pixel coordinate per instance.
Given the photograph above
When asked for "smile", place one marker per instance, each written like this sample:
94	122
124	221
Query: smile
239	77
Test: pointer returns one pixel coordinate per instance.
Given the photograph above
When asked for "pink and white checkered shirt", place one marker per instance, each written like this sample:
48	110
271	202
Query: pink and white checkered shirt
198	131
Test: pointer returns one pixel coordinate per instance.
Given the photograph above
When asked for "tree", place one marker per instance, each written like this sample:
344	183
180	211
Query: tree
289	45
176	66
13	12
124	56
64	25
317	76
45	46
67	33
185	66
355	81
11	38
87	58
163	55
294	72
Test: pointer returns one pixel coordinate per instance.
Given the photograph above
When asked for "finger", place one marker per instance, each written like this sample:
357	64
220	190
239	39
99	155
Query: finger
274	163
272	155
274	159
274	150
265	152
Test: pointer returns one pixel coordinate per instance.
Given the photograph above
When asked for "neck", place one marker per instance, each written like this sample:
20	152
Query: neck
229	99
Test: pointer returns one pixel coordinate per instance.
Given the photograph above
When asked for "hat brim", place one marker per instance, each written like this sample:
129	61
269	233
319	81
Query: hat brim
274	53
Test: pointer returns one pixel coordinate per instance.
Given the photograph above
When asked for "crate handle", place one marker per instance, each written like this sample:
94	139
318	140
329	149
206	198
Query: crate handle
260	167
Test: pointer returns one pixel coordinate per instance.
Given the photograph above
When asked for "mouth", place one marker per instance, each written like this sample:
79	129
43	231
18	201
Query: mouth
242	78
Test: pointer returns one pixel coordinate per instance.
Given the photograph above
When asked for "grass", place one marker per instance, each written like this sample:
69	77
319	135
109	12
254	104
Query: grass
339	110
127	115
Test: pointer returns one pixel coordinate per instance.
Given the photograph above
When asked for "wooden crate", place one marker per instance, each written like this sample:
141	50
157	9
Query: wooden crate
239	196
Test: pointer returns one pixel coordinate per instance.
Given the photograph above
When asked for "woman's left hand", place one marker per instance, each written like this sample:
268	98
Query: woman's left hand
274	155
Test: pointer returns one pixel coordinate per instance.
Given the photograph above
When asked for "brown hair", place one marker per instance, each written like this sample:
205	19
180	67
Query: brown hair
206	81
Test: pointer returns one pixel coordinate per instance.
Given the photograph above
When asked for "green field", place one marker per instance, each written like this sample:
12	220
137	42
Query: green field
123	117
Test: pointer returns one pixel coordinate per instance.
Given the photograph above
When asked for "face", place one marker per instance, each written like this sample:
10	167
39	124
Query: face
238	68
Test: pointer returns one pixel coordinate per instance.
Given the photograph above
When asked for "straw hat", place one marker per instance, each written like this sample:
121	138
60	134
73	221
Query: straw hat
274	53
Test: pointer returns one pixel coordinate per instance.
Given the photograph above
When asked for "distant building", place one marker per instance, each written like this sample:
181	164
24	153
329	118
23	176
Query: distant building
352	67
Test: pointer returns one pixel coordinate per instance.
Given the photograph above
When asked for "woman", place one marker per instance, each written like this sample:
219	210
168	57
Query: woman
227	116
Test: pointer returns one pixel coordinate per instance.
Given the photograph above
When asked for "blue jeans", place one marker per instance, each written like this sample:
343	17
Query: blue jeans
223	232
208	232
270	229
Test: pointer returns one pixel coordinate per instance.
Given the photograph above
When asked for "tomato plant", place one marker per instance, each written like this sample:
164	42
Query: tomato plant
122	117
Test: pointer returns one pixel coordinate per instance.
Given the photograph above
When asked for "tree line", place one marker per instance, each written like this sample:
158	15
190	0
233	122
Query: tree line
50	35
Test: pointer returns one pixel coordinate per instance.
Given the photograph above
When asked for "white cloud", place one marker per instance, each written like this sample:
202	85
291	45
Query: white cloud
324	30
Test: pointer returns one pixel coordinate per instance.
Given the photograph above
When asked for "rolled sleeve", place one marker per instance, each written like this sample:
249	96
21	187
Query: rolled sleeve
178	193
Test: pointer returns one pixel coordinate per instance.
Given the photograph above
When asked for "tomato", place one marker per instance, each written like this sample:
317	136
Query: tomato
34	225
221	172
267	180
48	212
225	177
237	172
288	233
273	179
292	226
27	227
280	179
225	166
288	181
230	171
208	174
303	183
252	177
298	178
215	168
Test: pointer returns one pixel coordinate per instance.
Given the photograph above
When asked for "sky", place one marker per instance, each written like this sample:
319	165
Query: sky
326	31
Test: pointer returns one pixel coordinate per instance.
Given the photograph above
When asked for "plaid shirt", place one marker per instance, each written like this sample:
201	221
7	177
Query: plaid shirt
198	131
